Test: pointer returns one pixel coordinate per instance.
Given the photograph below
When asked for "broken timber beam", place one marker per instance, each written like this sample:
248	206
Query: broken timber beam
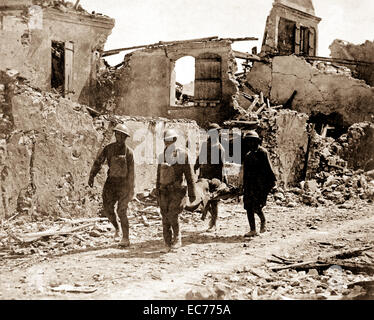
251	124
31	237
76	4
161	43
246	56
341	61
255	101
324	260
239	39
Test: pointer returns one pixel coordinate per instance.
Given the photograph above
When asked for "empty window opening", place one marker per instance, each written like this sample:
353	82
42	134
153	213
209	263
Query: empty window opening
331	126
183	82
58	66
286	36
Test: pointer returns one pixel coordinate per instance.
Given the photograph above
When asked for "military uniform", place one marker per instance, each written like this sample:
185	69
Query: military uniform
172	193
119	186
258	180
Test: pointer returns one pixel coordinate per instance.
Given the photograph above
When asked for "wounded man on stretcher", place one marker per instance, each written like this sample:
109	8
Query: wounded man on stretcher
208	195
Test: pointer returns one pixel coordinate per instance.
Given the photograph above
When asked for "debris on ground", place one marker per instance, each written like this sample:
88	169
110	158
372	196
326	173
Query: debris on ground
73	289
342	275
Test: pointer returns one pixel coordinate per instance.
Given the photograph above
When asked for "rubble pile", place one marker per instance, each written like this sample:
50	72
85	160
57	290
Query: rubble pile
345	278
357	146
283	132
105	88
24	235
63	6
330	175
329	68
310	169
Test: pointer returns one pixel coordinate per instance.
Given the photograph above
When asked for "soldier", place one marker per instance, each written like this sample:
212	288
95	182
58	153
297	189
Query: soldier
172	165
120	183
258	180
212	169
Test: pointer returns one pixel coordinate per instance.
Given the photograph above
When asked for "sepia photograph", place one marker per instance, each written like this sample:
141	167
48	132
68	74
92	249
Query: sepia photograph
204	152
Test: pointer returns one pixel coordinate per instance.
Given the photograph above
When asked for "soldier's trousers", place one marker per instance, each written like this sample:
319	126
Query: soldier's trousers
172	202
113	193
252	209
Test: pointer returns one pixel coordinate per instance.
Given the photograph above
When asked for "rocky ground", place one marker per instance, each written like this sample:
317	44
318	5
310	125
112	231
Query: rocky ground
87	263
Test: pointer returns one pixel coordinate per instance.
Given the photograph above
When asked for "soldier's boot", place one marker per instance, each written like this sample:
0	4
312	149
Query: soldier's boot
125	243
251	234
263	227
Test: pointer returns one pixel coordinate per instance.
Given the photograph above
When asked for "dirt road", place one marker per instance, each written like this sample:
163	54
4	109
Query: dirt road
145	271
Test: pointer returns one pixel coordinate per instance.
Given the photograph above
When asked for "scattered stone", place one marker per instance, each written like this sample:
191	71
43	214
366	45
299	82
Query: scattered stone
313	273
95	234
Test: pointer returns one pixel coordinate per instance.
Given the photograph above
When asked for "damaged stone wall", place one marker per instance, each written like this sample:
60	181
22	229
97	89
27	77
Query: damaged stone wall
316	92
145	84
48	145
362	52
27	32
285	136
358	146
47	153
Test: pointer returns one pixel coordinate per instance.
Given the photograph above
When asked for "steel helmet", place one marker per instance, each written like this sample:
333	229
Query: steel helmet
252	135
122	128
213	126
170	134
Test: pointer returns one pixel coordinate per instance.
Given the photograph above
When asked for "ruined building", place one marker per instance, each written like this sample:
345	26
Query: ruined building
55	45
291	28
147	85
362	54
312	114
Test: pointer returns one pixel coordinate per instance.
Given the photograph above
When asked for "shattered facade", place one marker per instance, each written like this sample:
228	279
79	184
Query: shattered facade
147	85
53	44
291	28
363	52
313	91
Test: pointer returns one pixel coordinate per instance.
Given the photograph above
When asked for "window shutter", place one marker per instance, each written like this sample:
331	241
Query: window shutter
208	77
297	38
312	40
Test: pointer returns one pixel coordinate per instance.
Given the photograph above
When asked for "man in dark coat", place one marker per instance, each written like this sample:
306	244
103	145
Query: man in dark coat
258	180
120	184
211	168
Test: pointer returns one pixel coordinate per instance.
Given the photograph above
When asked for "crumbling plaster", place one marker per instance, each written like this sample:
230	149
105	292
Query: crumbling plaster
316	91
284	134
26	45
145	84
